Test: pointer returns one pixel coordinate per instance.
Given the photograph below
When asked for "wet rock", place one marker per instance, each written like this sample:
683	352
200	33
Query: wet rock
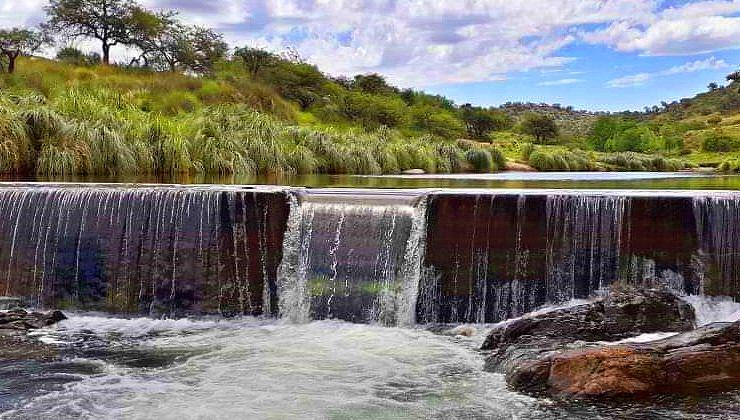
8	302
620	315
706	359
19	319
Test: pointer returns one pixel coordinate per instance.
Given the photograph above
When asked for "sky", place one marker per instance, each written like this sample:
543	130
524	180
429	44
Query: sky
608	55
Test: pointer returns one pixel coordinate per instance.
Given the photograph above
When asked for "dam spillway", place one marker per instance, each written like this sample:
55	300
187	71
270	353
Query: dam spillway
151	250
397	257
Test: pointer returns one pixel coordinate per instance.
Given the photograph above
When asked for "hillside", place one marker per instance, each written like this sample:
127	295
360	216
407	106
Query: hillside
61	117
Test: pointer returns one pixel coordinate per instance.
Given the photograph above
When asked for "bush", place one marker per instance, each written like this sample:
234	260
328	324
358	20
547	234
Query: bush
176	102
499	159
718	142
527	150
480	160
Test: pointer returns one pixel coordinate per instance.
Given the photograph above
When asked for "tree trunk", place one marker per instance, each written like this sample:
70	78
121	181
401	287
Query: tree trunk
11	63
106	53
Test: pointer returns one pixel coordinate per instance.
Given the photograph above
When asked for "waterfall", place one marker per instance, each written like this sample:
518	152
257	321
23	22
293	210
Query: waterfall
158	251
356	258
583	244
718	233
393	257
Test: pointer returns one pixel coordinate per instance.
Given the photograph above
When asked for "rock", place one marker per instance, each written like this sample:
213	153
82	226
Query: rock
704	359
518	167
414	172
620	315
7	302
19	319
460	331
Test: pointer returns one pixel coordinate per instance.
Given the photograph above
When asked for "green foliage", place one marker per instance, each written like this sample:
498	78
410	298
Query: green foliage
299	82
480	160
256	59
544	160
111	22
373	110
527	150
480	121
436	121
17	42
635	162
541	127
719	142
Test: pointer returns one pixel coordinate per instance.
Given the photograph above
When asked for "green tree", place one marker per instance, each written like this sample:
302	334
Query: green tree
297	81
436	121
602	130
374	110
204	48
77	57
256	59
541	127
480	121
17	42
112	22
373	83
712	86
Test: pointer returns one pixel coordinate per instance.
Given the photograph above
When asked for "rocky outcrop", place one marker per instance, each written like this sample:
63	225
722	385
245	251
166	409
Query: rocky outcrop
620	315
707	359
561	353
20	320
16	344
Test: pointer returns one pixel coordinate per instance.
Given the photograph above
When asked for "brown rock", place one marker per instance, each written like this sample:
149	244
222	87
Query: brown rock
701	360
518	167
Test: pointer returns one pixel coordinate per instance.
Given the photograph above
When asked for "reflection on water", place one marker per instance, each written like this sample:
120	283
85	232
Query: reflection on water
518	180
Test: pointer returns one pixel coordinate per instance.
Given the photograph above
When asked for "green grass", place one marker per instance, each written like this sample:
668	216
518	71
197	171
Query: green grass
104	120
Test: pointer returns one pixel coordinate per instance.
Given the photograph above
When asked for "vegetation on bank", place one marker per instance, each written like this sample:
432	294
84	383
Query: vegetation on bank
189	103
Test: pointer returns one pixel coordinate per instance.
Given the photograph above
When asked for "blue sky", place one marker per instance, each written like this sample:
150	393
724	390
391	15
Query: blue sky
593	54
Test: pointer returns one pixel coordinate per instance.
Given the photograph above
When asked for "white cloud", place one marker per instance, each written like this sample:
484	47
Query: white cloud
694	28
639	79
629	81
560	82
698	65
418	43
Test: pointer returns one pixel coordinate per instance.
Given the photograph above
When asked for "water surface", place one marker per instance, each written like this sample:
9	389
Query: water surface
519	180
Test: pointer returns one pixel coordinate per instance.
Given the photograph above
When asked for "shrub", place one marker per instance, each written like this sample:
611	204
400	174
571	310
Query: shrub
176	102
527	150
499	159
480	160
718	142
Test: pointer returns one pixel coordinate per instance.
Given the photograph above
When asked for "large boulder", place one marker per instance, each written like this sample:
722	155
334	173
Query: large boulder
704	359
19	319
622	314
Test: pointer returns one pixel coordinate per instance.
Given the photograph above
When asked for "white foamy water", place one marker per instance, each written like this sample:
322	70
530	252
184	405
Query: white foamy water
275	370
709	310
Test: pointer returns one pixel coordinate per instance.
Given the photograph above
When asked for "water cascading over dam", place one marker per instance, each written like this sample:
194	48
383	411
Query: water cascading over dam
353	256
150	250
397	257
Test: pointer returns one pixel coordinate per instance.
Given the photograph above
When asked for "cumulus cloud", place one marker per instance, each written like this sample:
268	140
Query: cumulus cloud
694	28
419	43
560	82
690	67
698	65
